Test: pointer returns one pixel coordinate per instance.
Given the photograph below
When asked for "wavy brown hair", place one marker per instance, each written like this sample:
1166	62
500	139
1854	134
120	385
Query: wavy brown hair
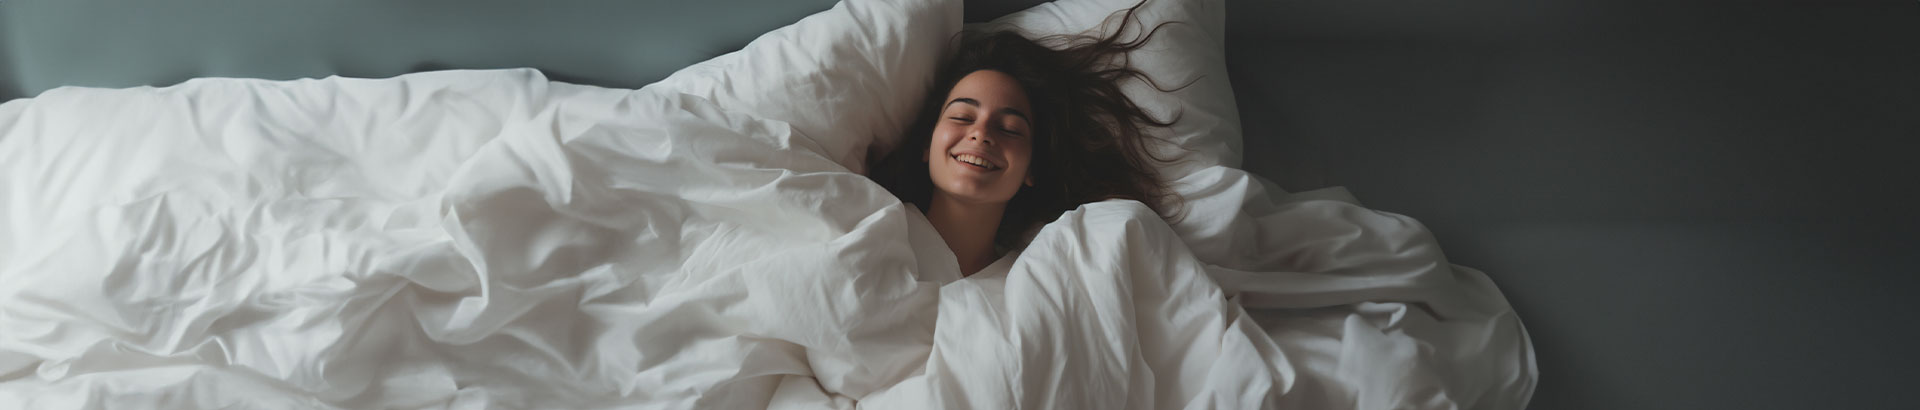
1089	139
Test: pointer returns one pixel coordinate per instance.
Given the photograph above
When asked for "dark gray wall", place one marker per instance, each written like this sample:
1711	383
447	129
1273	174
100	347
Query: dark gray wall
9	87
1691	204
115	43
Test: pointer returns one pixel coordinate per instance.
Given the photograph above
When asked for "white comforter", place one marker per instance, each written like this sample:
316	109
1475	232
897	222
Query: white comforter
490	239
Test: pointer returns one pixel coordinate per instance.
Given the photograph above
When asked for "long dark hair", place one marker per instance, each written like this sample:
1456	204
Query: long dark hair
1089	142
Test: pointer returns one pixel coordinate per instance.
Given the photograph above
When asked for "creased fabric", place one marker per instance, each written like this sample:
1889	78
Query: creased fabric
491	239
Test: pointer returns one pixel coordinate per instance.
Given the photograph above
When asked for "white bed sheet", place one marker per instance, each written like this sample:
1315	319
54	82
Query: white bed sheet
490	239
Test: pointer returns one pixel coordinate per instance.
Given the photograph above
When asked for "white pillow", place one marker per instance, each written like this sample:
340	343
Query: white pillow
844	78
1195	48
1216	195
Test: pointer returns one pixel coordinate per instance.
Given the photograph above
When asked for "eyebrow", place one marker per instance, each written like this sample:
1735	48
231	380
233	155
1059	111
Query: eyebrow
1006	110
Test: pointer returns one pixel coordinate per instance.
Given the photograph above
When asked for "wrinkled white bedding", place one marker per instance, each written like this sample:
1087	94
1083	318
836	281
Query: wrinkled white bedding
490	239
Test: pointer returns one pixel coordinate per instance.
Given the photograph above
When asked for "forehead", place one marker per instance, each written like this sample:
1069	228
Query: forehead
991	89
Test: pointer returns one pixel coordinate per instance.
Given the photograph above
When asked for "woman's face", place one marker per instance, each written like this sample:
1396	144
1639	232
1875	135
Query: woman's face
982	143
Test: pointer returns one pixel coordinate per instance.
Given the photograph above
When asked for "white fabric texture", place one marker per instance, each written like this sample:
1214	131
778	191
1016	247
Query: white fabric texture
491	239
456	238
845	78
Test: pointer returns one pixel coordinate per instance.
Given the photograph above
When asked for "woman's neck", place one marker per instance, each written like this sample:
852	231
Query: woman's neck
967	228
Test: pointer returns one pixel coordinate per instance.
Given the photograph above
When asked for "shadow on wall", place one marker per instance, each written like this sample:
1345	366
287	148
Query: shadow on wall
980	11
8	91
9	86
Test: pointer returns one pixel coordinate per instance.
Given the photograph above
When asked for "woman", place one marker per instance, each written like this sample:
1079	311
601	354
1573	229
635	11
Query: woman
1016	133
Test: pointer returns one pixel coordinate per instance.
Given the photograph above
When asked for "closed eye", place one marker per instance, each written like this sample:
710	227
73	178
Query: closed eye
1008	131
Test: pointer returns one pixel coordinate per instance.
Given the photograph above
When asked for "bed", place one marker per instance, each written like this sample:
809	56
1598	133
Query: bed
507	238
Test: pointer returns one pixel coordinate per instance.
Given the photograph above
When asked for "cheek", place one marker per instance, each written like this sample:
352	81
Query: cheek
944	137
1022	155
935	144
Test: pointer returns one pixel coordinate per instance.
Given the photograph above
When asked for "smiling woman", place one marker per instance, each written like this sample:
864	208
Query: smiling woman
1019	130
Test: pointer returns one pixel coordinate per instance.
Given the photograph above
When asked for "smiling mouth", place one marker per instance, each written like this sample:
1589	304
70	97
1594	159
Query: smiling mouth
976	162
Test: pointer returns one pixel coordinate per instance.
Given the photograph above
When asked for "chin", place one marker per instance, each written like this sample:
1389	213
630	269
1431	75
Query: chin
977	195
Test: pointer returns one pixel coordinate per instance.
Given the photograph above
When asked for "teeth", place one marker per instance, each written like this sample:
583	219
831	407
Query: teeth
971	159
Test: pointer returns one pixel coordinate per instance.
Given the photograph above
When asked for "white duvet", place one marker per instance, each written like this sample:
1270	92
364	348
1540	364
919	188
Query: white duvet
491	239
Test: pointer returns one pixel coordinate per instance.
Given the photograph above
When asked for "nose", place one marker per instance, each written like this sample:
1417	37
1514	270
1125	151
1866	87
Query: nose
978	132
